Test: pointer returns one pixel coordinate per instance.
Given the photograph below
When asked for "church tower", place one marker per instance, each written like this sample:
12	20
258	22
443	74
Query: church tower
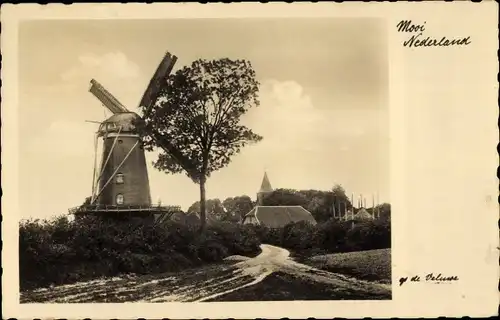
265	189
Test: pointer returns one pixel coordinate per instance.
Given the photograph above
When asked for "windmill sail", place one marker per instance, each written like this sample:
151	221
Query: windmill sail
149	99
174	152
106	98
160	76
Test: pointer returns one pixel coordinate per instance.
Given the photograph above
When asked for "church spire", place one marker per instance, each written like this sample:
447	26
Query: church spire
266	185
265	188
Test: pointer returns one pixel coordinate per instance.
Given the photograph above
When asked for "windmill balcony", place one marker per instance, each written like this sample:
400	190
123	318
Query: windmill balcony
123	208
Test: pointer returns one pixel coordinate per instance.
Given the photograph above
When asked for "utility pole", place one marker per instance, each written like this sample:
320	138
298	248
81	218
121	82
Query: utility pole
373	207
378	206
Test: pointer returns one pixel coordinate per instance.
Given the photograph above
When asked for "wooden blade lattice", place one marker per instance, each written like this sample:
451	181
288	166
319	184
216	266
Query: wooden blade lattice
106	98
158	80
151	95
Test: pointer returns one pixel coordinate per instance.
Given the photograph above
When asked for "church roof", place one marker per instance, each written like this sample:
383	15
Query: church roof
266	185
279	216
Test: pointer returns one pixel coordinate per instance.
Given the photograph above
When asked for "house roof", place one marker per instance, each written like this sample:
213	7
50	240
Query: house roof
362	214
266	185
279	216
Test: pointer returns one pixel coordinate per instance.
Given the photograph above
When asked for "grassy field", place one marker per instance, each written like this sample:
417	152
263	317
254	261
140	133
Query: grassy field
371	265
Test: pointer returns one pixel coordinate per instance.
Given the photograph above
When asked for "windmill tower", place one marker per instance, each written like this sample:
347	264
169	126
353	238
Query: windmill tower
123	177
120	184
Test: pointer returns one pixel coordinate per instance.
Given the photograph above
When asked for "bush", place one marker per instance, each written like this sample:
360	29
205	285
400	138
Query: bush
59	251
331	236
299	236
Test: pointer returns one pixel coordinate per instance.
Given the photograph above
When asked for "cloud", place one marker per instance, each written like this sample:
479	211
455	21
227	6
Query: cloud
285	110
121	76
115	64
62	121
287	94
288	119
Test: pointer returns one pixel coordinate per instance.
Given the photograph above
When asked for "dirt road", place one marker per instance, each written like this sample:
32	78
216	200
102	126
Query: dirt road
239	279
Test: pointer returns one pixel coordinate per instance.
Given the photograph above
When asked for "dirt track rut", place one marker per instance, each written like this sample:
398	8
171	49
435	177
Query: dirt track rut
204	284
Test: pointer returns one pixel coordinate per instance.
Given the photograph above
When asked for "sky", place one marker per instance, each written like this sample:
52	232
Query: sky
323	113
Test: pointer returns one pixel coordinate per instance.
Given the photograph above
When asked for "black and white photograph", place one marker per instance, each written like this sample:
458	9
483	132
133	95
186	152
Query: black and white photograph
244	161
211	160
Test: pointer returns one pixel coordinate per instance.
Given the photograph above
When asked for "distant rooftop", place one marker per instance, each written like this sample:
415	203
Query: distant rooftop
278	216
363	214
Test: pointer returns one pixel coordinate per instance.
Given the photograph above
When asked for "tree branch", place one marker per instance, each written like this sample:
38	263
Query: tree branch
199	130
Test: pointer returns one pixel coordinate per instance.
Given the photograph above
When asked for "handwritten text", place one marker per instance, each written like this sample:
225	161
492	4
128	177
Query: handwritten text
430	277
419	40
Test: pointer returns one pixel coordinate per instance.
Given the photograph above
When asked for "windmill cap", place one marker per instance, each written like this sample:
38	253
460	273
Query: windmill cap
125	120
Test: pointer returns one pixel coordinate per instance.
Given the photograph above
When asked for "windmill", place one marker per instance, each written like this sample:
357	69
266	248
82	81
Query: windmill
120	184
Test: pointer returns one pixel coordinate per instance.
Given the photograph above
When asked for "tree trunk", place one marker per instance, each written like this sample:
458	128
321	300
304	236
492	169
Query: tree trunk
203	208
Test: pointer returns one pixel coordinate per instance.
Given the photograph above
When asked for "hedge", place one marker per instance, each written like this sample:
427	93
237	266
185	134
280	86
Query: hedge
58	251
332	236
